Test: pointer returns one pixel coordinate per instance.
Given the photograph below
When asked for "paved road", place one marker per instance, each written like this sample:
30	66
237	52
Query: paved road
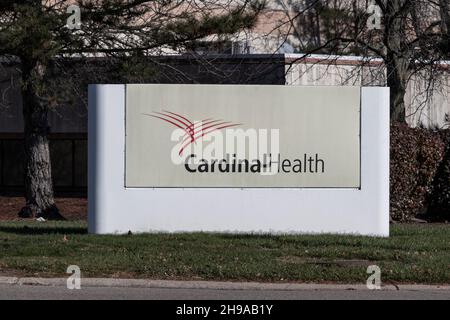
15	291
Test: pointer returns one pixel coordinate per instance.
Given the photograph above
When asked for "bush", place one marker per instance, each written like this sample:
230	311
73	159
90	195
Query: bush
415	157
439	198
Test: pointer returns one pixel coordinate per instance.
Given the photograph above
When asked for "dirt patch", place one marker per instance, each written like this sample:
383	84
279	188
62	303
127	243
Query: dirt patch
71	208
337	262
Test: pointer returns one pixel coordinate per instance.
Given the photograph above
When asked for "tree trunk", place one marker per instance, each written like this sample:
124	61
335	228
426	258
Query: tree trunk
396	59
38	176
444	8
397	81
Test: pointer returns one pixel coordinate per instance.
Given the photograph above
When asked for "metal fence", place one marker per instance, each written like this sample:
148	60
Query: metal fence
68	154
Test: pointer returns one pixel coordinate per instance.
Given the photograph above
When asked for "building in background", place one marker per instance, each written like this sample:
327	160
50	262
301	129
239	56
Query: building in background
268	54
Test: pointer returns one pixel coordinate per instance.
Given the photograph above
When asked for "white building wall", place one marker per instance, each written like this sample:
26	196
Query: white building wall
431	111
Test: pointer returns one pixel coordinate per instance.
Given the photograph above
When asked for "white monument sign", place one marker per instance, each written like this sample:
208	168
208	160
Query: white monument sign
235	158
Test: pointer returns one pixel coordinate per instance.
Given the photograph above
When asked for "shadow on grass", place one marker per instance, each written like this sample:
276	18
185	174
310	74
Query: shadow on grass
25	230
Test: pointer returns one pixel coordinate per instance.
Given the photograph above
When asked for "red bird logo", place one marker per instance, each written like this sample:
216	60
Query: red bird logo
193	131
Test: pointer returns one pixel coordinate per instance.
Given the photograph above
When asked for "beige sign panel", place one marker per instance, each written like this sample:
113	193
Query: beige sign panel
188	136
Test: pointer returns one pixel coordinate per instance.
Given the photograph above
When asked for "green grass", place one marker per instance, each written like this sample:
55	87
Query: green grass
413	254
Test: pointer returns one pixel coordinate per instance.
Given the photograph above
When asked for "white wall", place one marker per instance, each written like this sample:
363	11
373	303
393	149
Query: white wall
429	111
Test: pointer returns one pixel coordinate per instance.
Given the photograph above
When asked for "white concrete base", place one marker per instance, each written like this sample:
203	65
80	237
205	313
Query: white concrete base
116	209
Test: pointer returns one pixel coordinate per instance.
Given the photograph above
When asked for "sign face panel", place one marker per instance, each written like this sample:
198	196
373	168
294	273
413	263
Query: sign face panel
229	136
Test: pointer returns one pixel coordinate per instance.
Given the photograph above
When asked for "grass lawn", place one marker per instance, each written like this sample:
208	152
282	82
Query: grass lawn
413	254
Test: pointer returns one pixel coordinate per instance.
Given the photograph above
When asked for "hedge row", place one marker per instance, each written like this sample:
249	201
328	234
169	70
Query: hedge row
439	197
420	173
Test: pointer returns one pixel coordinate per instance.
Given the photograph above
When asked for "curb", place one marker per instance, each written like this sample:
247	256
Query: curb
214	285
